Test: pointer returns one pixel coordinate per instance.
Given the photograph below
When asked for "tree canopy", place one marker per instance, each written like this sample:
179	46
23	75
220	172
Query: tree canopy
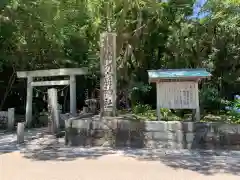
40	34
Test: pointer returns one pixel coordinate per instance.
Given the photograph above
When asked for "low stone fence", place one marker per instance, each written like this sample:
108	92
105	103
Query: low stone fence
7	119
118	132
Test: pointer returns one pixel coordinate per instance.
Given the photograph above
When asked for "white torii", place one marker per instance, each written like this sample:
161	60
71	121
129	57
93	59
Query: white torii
72	72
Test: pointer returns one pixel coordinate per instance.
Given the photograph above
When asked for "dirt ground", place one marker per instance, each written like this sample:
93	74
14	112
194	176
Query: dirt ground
48	159
13	166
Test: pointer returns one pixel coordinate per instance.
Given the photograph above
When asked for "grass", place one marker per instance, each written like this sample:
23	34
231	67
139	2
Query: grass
151	115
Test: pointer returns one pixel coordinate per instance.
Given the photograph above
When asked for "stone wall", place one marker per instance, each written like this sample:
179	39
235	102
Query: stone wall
152	134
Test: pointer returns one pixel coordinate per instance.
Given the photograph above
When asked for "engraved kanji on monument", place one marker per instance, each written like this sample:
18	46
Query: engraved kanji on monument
108	74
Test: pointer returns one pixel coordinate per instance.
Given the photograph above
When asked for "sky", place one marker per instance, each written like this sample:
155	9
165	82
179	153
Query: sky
197	8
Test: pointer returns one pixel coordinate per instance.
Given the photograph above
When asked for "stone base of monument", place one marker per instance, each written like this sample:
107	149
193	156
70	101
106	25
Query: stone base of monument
109	112
121	132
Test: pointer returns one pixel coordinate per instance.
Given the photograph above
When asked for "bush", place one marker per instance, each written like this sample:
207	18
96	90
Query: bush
233	110
141	108
145	111
210	99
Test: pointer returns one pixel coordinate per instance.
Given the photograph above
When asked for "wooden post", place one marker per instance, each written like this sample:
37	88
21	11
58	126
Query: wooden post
11	119
197	112
20	133
158	102
73	95
53	110
29	102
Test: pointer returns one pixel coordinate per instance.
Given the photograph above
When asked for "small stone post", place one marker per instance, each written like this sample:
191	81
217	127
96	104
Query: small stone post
20	133
11	119
53	113
85	110
93	105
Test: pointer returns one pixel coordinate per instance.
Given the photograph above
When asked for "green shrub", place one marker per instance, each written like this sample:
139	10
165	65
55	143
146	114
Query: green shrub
141	108
233	110
210	99
146	112
167	115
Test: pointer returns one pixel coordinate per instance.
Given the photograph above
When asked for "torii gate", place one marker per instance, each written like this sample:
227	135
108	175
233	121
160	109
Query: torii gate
30	75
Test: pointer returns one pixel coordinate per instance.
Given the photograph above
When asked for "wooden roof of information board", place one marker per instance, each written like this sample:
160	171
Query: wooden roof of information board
180	74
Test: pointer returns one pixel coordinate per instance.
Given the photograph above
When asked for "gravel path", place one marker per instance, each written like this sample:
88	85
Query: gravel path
45	158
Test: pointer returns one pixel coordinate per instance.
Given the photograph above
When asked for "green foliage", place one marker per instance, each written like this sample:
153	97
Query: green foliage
40	34
138	90
141	108
233	110
210	98
145	111
167	115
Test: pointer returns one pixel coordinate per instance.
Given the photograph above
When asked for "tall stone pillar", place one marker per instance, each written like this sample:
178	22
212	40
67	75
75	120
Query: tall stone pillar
108	81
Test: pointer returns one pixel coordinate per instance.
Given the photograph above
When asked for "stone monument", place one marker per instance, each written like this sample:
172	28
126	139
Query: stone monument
108	74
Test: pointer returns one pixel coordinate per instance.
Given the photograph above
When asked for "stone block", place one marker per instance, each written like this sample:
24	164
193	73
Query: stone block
148	135
137	126
101	142
97	125
81	124
174	126
109	125
234	139
235	147
76	138
179	136
188	146
202	127
155	144
188	126
162	136
67	123
190	137
98	133
123	125
137	144
175	145
227	128
156	126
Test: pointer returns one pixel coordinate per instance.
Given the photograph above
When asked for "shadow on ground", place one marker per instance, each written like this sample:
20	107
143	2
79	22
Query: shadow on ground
49	148
7	143
8	140
204	162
